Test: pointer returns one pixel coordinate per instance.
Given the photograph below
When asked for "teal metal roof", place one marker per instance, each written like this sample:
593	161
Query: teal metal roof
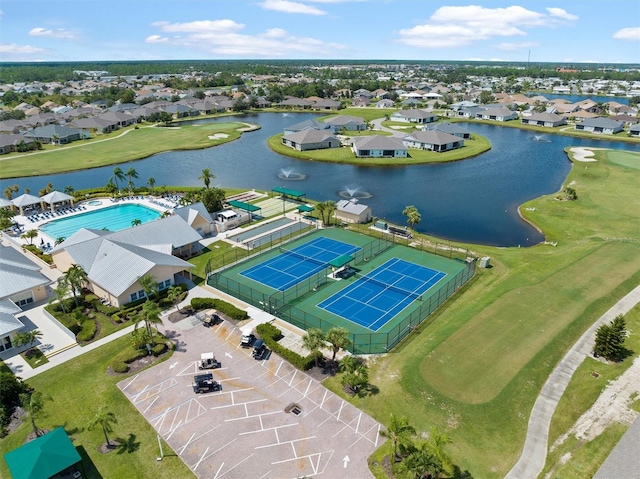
243	206
286	191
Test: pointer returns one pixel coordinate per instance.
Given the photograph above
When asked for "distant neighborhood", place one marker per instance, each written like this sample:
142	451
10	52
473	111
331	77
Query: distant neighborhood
420	102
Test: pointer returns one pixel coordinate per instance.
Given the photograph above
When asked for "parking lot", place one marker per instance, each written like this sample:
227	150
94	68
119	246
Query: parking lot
270	420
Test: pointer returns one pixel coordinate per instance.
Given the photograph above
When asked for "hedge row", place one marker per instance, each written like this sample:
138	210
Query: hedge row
270	335
87	332
120	363
225	308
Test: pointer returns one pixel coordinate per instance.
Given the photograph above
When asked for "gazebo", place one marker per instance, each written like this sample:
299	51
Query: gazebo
56	197
43	457
25	200
4	203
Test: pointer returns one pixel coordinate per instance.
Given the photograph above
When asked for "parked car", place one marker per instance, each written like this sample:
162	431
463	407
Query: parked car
204	383
208	361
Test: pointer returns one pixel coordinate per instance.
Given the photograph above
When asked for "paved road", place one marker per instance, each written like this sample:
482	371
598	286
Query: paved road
534	453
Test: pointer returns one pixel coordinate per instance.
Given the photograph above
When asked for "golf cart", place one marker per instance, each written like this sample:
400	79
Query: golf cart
211	319
247	338
204	383
208	361
260	350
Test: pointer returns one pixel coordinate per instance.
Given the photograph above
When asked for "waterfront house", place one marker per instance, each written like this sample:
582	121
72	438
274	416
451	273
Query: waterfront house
311	139
350	211
414	116
497	114
544	119
600	125
309	125
347	122
433	140
379	147
451	128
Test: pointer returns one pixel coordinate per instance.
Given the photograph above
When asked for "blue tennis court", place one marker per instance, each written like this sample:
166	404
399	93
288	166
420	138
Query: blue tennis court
298	264
378	296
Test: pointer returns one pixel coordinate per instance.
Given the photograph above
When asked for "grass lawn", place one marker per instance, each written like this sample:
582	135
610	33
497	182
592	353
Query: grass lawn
476	370
78	389
117	148
34	357
473	147
582	391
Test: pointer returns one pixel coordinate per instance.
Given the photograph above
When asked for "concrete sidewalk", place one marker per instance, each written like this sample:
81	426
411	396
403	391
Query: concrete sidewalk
534	454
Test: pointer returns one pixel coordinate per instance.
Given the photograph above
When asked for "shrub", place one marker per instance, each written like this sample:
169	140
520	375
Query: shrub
87	331
268	332
227	309
158	349
119	367
106	310
129	355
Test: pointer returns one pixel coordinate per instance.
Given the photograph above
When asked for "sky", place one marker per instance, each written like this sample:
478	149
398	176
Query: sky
572	31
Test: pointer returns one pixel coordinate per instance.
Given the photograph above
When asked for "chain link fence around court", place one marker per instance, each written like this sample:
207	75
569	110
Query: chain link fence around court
266	242
281	303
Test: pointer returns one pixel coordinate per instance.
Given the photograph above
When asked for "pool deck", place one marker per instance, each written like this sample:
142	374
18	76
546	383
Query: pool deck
158	204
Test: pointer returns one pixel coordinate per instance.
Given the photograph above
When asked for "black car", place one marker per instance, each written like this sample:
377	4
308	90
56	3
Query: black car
204	383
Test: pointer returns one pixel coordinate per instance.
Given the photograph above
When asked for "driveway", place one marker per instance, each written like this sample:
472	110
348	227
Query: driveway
270	420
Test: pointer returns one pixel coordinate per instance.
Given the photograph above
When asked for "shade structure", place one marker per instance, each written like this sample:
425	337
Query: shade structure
4	203
25	200
55	197
43	457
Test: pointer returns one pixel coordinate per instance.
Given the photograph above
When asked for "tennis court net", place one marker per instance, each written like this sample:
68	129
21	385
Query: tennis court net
369	279
303	257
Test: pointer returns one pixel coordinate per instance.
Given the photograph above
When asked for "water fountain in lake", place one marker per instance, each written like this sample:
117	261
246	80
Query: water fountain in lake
541	138
290	175
354	192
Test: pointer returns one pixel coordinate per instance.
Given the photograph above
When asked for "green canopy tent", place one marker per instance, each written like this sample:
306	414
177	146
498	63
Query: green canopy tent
248	207
289	193
43	457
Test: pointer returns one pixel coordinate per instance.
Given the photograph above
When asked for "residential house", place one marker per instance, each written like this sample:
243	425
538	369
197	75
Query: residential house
311	139
326	104
307	125
15	142
451	128
348	123
497	114
56	134
377	146
386	103
360	102
414	116
544	119
600	125
296	103
350	211
433	140
634	130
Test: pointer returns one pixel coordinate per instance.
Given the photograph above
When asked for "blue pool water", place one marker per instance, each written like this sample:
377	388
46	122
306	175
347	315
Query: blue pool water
113	218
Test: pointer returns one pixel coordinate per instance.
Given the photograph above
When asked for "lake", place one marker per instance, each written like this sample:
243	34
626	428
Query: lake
473	201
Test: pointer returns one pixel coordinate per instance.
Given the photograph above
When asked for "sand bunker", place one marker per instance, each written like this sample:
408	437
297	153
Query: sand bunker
218	136
584	154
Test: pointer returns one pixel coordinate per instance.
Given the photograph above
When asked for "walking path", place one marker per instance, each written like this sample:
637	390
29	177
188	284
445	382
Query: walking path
534	454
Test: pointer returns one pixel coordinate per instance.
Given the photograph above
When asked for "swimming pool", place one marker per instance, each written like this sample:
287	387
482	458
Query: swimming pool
112	218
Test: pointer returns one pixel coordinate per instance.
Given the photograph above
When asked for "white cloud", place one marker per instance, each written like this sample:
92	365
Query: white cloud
458	26
15	49
225	37
287	6
48	33
630	33
562	14
515	46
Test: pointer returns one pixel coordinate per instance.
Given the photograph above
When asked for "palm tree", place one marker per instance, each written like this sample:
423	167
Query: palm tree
149	284
69	190
60	291
33	404
313	341
118	174
76	278
59	240
413	215
131	175
330	208
151	182
206	176
173	294
422	463
150	315
355	374
136	222
30	235
339	339
28	337
398	431
321	208
166	213
104	419
436	444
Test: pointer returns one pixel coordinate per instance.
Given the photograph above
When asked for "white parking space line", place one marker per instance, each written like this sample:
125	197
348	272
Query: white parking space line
201	458
154	390
285	442
265	475
130	382
231	469
194	438
252	416
149	406
364	436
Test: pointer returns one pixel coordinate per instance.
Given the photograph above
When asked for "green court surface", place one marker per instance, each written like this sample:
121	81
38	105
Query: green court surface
299	304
